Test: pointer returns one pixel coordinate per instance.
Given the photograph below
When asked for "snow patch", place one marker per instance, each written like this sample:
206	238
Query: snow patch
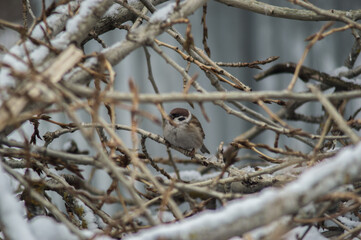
163	13
45	228
84	10
113	10
11	211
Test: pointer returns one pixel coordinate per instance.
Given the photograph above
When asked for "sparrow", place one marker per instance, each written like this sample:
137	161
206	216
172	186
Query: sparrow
184	130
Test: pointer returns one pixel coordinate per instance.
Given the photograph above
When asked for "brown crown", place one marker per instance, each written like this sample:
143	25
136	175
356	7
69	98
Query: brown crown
176	112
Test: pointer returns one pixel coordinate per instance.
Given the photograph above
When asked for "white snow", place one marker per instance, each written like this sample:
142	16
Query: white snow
329	224
335	72
163	13
248	206
61	40
89	216
352	80
14	63
193	175
206	219
53	20
309	178
11	210
348	222
39	54
166	216
39	29
113	10
84	10
45	228
12	218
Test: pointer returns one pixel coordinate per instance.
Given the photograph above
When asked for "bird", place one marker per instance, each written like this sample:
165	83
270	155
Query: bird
184	130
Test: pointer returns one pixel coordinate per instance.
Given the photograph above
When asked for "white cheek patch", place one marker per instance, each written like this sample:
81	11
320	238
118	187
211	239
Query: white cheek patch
189	117
182	119
176	121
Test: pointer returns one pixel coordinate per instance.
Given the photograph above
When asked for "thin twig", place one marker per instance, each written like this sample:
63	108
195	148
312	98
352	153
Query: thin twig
335	115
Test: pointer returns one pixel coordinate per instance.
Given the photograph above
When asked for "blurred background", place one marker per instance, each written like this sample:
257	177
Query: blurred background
234	35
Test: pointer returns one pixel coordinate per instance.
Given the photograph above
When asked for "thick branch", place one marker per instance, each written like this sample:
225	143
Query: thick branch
284	12
307	73
211	96
118	15
135	39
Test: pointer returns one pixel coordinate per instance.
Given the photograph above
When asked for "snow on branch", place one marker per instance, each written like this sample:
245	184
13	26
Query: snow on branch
76	30
11	212
241	216
135	39
89	13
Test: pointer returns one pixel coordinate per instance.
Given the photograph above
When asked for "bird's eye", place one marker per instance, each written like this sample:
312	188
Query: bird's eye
181	119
